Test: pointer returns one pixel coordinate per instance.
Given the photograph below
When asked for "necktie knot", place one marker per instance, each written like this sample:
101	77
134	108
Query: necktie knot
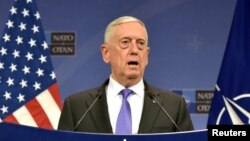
126	93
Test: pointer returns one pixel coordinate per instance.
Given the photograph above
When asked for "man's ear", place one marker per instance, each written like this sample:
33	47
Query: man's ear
105	53
148	51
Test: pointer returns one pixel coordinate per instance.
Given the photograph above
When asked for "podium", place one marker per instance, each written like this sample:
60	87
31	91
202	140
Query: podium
13	132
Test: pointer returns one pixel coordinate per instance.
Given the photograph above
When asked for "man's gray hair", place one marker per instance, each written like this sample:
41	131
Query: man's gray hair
118	21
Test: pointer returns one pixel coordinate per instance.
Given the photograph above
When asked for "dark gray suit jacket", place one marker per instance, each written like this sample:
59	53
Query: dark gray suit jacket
153	119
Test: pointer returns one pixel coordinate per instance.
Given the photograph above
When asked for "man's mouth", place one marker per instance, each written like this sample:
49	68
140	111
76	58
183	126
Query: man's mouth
133	63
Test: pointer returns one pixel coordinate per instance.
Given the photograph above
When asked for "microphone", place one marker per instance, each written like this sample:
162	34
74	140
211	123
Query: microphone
152	96
98	96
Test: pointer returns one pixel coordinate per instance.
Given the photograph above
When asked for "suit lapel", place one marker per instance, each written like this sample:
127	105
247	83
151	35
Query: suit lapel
99	112
150	110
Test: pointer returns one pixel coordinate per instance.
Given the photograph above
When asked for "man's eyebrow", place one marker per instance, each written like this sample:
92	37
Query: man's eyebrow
126	37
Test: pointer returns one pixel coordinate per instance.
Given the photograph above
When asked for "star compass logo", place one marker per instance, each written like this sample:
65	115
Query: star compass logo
236	110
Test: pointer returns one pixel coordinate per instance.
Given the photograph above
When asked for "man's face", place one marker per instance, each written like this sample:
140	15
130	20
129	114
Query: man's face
127	52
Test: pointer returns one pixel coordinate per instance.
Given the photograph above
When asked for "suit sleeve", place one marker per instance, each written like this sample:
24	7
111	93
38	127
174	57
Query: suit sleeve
66	120
184	120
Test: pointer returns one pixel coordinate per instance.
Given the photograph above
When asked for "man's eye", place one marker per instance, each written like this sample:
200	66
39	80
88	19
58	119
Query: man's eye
141	44
124	43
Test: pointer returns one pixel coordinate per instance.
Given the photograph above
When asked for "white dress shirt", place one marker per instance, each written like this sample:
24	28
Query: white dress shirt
114	100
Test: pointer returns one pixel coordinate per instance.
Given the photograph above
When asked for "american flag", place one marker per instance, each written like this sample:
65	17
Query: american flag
29	93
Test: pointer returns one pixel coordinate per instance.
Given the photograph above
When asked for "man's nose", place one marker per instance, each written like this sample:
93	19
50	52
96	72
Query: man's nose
134	47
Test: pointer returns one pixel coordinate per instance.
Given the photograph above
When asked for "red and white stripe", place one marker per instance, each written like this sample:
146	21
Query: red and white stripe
43	111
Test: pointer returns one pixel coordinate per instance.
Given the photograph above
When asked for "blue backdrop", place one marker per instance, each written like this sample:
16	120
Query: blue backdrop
187	40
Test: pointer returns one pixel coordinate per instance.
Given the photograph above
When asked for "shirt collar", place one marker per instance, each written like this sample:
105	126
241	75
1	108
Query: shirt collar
116	87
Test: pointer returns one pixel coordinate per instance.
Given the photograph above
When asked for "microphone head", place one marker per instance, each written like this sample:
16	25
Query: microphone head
99	94
151	95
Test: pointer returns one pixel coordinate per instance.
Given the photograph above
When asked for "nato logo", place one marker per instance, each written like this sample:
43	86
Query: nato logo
235	110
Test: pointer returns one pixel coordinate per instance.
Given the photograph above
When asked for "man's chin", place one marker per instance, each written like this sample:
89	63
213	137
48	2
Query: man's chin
133	76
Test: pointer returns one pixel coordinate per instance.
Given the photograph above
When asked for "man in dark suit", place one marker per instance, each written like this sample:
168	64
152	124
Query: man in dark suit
126	49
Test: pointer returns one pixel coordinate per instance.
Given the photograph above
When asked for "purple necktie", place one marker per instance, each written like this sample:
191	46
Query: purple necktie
124	121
